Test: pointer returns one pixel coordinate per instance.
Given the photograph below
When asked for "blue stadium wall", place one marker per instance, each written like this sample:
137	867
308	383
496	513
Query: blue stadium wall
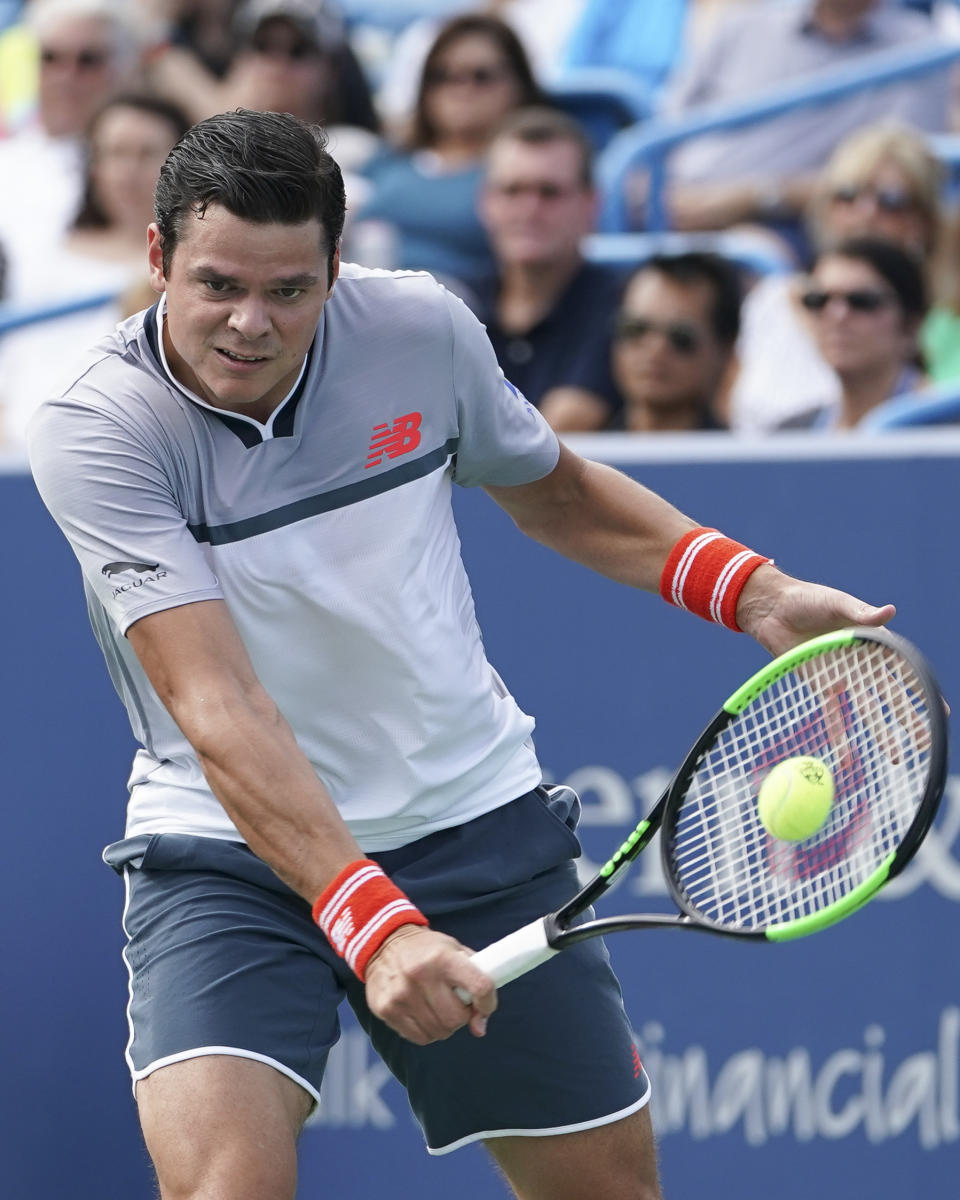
779	1071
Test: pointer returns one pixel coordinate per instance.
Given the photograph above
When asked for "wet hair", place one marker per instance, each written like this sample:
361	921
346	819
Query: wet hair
91	214
423	134
542	126
260	166
900	268
720	275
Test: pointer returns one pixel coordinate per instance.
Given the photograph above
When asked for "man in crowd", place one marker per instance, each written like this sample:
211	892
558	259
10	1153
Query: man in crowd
548	312
765	171
674	342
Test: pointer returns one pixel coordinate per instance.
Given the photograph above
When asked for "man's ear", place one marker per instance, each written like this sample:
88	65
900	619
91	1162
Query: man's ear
334	271
155	257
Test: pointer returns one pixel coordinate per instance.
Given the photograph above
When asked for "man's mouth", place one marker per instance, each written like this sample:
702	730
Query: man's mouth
241	358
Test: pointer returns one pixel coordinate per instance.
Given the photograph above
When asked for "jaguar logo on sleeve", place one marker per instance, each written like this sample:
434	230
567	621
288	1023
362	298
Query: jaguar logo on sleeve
142	573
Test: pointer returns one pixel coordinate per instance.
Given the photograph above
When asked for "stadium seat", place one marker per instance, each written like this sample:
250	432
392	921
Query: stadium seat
603	99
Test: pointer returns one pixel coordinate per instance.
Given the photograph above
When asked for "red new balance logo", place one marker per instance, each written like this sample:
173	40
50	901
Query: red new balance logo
391	440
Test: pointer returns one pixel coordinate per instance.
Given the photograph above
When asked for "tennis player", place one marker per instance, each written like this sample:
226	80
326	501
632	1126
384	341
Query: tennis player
336	796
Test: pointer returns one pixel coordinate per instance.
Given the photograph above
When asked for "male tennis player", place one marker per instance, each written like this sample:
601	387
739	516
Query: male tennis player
336	794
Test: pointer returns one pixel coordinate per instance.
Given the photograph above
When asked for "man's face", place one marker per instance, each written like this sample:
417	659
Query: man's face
858	323
243	302
534	203
78	72
666	354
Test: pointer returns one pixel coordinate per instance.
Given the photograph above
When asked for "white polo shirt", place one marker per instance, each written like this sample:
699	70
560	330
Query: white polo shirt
329	534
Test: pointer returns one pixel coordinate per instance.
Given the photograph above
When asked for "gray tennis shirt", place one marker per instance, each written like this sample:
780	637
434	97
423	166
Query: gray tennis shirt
329	534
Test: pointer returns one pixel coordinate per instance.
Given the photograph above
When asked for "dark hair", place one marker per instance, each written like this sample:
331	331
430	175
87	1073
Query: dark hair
423	133
541	126
899	267
261	166
702	266
91	214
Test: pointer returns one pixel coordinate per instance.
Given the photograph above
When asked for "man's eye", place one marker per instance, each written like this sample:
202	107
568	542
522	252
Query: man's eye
289	293
216	285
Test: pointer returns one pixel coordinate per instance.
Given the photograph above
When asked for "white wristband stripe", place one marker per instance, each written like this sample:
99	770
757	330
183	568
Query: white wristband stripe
360	939
723	582
345	891
686	563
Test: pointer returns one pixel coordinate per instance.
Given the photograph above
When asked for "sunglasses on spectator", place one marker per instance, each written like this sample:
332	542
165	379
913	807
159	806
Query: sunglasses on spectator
83	60
295	51
542	191
887	199
682	338
859	300
478	76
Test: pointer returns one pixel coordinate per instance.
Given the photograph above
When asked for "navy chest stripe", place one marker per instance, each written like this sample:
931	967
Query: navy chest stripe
312	506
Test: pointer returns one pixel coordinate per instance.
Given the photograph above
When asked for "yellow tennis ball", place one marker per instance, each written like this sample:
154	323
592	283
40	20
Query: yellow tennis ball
795	798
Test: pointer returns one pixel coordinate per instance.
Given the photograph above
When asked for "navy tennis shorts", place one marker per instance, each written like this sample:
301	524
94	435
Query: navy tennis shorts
224	958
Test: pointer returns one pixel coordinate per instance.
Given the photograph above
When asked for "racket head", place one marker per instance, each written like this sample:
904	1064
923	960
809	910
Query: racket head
866	703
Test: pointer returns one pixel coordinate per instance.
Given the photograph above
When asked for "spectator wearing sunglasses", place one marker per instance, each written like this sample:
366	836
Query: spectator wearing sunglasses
865	299
882	181
423	200
674	342
291	56
86	50
548	313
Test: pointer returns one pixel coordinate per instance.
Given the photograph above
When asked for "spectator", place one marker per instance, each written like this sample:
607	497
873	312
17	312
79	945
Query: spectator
544	28
866	299
882	180
424	200
87	49
764	171
674	342
548	313
104	252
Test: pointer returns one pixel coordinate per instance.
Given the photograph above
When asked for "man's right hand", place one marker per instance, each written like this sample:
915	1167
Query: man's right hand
411	981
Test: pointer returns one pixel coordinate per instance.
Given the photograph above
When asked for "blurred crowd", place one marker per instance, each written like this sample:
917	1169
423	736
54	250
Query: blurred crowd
469	142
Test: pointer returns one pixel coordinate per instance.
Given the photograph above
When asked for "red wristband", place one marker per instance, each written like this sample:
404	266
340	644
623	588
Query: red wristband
705	573
360	909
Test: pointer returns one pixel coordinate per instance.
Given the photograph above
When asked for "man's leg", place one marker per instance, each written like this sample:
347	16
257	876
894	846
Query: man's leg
220	1127
615	1161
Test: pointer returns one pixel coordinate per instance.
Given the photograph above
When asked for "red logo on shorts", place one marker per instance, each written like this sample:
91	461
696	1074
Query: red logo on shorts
637	1064
392	440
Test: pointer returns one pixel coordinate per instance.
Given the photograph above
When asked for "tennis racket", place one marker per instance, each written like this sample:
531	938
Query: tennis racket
864	702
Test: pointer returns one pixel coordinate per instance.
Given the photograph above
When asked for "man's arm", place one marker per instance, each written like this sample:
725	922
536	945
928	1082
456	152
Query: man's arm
573	409
199	667
601	518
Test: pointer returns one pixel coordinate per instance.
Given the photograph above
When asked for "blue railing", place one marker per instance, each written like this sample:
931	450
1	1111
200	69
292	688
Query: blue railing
934	406
13	316
649	145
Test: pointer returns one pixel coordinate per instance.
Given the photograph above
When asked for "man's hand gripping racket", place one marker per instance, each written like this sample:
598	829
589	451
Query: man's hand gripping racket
861	701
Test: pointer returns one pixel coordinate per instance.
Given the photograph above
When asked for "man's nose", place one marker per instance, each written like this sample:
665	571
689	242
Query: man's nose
249	317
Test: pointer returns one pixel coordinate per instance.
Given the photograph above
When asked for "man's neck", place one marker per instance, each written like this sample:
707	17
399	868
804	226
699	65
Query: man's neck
528	291
838	27
679	417
864	391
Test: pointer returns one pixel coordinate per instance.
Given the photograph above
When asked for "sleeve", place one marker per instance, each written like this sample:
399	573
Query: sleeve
503	440
109	491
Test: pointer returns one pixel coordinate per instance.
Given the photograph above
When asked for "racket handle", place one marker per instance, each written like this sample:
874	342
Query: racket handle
512	955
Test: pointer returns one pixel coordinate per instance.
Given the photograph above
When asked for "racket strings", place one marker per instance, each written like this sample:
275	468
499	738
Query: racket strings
862	711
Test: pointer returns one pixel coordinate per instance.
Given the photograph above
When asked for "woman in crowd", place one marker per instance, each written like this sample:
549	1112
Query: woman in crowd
103	253
421	210
882	181
865	299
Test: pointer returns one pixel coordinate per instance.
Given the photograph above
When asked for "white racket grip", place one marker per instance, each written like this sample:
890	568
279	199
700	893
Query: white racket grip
512	955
